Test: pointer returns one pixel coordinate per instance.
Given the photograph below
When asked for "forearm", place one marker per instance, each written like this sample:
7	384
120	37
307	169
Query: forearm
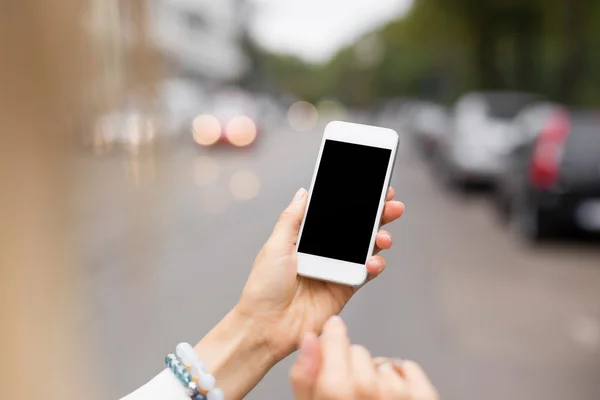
236	354
233	351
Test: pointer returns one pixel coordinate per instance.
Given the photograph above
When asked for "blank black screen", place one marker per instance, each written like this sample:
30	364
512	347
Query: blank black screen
344	202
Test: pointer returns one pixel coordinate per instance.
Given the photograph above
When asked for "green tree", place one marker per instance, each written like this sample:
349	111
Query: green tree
442	48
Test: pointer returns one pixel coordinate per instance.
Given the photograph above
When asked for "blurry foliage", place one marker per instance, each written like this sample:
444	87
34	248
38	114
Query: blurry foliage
443	48
293	75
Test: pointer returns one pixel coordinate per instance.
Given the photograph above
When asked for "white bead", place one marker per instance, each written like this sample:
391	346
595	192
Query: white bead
197	369
206	382
215	394
186	354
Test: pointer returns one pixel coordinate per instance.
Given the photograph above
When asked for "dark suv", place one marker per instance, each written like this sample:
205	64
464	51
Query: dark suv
551	182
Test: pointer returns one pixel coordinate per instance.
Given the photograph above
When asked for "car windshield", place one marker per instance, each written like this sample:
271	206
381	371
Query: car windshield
507	105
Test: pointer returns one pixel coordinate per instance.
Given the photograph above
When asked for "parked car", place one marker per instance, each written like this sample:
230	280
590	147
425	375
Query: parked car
552	183
389	114
428	123
526	127
473	151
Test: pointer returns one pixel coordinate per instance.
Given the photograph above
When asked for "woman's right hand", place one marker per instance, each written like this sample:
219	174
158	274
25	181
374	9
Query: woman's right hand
330	368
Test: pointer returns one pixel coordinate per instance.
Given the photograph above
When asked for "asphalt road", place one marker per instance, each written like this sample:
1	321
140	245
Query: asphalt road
167	243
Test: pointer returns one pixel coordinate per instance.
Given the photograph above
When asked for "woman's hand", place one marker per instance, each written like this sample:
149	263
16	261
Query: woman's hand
331	369
285	305
277	307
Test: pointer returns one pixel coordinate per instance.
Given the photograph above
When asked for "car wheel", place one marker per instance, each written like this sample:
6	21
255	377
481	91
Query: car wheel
454	182
530	224
445	175
502	208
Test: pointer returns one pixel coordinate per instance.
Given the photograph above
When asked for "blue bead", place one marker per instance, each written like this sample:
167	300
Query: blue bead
199	396
170	360
178	369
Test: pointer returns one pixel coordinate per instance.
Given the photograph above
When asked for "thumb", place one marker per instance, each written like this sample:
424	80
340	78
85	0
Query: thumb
286	229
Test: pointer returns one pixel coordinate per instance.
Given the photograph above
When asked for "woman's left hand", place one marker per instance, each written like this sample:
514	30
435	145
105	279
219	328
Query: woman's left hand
285	305
330	368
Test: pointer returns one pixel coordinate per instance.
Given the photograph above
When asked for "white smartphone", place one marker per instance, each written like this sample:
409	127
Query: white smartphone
345	202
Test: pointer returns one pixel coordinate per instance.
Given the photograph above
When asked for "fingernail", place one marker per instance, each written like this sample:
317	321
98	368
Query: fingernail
335	320
398	361
377	262
386	367
299	194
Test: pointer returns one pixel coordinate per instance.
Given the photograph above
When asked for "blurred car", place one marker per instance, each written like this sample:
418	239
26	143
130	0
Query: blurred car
180	101
232	118
474	148
390	114
428	123
271	112
552	183
526	127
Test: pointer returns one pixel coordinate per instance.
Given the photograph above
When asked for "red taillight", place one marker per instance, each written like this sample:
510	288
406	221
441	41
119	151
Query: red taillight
548	151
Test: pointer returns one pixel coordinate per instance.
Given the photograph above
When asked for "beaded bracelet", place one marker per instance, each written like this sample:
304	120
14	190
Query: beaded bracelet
190	371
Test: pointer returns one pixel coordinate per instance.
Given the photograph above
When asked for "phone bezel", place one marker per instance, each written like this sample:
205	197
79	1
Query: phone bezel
330	269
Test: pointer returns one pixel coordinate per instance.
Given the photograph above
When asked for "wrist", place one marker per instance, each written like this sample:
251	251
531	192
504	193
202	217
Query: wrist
278	331
237	354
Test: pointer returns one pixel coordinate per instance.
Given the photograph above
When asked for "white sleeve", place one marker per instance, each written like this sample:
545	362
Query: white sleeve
164	386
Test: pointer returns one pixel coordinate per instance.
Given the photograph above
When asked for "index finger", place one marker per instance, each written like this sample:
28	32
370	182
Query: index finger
335	347
418	382
305	371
